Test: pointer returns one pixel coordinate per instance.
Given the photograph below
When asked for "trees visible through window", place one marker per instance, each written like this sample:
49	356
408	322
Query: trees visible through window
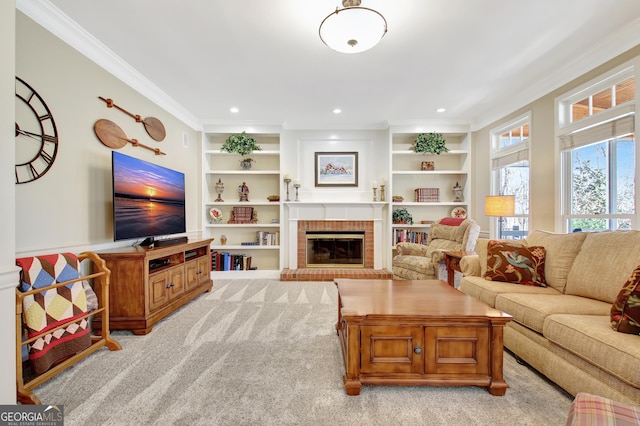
510	175
514	180
602	185
597	143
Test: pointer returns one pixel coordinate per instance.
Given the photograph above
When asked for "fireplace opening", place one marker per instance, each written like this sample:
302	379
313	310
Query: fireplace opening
338	249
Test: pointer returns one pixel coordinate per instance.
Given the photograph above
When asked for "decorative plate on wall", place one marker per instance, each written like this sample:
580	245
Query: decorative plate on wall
459	212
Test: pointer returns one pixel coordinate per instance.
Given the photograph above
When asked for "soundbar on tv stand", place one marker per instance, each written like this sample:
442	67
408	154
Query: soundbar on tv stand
151	241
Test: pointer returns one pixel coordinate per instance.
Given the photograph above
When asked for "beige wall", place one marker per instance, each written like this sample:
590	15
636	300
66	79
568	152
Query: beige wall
544	165
8	270
70	206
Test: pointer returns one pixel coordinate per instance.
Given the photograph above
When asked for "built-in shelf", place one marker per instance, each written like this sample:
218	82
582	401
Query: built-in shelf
263	179
242	172
415	225
241	247
243	225
253	154
427	204
445	171
450	152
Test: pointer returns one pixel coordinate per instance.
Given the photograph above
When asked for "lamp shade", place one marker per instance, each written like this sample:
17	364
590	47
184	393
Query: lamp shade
353	29
499	205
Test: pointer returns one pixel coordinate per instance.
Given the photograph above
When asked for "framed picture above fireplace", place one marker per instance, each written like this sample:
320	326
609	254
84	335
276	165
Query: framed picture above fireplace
336	169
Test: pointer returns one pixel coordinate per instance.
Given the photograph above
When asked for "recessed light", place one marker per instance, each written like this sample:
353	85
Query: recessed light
337	110
441	110
234	110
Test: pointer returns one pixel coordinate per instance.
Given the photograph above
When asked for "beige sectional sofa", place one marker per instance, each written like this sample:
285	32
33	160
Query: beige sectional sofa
564	330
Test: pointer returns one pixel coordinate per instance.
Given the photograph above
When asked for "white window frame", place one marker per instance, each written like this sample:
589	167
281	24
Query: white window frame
565	129
564	102
501	157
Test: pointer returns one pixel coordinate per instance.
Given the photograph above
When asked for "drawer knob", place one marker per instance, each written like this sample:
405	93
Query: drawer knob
417	350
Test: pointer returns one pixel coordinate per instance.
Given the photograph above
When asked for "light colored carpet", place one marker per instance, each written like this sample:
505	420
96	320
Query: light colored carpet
260	352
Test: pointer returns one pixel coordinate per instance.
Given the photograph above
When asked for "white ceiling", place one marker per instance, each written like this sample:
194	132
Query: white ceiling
479	59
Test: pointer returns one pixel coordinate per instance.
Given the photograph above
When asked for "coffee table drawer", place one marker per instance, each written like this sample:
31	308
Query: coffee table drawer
392	349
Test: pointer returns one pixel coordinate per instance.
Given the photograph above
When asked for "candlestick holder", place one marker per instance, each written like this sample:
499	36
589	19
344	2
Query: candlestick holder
296	186
381	192
287	181
375	196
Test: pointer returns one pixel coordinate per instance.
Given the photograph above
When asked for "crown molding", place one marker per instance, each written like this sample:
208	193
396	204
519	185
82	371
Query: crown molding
63	27
607	49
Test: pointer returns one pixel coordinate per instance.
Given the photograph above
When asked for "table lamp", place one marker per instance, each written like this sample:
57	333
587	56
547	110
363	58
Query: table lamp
499	206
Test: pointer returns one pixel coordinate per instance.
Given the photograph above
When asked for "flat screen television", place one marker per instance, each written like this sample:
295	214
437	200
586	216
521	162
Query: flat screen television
148	199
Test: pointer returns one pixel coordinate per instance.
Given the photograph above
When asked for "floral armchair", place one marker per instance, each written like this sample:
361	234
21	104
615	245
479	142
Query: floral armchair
420	262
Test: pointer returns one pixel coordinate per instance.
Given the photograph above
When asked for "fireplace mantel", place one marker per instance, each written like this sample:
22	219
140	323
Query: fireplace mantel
334	211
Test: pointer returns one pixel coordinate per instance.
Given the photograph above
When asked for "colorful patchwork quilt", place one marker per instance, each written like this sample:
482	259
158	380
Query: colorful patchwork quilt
44	311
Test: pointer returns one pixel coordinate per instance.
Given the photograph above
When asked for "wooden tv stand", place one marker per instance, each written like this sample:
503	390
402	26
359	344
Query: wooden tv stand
147	284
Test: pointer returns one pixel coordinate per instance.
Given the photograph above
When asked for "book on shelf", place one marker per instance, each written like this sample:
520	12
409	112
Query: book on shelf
225	261
409	236
424	195
264	238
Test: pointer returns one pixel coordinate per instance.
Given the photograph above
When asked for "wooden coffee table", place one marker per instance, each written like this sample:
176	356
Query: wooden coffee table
403	332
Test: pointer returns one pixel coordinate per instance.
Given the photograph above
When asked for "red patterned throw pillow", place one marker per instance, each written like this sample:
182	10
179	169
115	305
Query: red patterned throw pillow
514	263
625	312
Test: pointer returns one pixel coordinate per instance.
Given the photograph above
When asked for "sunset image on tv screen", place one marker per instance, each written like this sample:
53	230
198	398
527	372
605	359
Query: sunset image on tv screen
148	199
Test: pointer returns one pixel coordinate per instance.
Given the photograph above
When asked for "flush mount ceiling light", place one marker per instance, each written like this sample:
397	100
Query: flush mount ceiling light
353	29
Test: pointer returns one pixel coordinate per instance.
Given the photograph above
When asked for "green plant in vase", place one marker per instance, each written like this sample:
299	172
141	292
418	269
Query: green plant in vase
430	143
402	215
243	145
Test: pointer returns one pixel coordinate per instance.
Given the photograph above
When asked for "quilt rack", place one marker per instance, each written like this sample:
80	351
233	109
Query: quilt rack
99	273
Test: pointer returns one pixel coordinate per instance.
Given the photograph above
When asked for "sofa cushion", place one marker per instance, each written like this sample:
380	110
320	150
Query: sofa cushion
561	250
531	309
481	248
589	409
604	262
625	312
591	338
487	291
515	263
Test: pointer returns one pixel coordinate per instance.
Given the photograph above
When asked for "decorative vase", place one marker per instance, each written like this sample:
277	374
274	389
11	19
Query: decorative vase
219	190
245	164
458	193
223	240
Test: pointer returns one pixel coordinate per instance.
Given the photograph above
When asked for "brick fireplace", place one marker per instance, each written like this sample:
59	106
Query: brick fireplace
334	218
335	226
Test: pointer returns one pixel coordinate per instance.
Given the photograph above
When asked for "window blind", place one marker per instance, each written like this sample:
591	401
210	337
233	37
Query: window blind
511	158
601	132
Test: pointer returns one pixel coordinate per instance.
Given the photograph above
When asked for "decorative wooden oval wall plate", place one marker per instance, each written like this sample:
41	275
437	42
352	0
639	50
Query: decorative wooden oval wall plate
110	134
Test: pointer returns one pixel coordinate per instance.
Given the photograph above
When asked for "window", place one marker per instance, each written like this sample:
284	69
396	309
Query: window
514	136
616	94
510	175
598	155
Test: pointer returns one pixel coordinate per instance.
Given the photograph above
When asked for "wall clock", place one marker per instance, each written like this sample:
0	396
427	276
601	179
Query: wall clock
36	134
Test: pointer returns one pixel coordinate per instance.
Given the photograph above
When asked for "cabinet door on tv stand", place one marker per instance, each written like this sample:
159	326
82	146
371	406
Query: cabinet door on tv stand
176	282
158	290
197	272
